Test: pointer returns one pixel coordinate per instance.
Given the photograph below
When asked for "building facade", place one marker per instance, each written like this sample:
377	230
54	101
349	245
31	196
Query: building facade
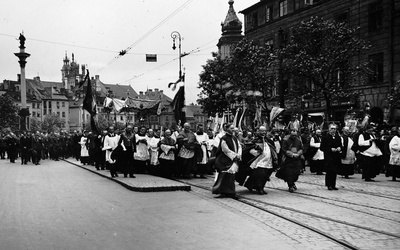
378	22
43	98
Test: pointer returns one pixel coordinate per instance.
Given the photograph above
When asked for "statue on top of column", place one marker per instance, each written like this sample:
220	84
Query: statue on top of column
21	41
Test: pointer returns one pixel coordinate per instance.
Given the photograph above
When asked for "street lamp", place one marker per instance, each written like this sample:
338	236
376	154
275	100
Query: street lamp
175	35
280	73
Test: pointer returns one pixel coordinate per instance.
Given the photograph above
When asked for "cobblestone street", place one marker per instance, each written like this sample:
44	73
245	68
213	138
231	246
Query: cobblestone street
360	215
364	215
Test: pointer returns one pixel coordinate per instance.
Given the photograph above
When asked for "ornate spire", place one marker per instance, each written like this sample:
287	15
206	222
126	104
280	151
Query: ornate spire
232	24
66	60
231	32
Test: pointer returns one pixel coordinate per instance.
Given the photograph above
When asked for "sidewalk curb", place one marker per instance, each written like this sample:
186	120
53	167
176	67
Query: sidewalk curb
147	188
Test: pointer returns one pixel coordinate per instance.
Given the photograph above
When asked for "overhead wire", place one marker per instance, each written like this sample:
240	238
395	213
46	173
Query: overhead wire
123	52
196	50
64	44
98	49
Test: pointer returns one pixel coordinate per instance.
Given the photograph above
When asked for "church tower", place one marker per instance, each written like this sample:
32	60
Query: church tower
70	72
65	71
231	32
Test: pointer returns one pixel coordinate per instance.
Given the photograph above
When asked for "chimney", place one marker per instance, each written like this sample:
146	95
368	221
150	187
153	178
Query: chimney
156	90
141	93
161	91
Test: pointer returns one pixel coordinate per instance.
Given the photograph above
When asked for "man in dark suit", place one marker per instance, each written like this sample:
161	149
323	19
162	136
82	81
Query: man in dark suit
332	147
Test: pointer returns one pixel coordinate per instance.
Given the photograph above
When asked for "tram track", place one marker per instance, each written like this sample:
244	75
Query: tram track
331	200
308	220
357	191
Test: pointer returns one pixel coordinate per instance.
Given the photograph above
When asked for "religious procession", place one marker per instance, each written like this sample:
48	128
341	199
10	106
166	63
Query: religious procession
230	155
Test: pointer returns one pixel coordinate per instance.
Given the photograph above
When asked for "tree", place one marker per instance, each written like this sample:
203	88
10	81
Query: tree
318	57
35	124
249	75
8	113
243	76
52	123
212	82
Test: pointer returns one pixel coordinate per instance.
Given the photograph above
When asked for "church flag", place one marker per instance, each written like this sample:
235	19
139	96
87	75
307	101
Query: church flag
177	105
89	103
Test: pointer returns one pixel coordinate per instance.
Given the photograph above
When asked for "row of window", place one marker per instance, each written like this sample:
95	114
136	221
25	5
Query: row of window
50	104
37	114
266	14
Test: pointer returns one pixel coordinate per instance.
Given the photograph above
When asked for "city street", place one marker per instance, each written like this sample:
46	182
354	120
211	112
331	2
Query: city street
58	205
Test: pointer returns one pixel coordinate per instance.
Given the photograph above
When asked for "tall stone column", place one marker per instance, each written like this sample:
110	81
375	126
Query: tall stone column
22	55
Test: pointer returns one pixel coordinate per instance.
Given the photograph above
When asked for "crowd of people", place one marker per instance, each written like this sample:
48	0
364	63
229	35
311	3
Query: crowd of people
250	162
246	157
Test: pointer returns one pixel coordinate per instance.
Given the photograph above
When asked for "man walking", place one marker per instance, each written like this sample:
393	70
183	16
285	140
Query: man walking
291	166
226	163
128	142
331	145
186	153
110	143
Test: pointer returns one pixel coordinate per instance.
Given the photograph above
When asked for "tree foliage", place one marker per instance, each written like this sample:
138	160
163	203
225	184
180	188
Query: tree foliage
212	81
248	70
8	113
243	76
52	123
35	124
318	57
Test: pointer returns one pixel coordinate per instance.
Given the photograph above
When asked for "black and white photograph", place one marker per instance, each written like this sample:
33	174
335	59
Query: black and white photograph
200	124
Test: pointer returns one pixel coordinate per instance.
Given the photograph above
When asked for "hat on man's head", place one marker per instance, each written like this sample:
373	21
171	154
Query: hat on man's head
371	125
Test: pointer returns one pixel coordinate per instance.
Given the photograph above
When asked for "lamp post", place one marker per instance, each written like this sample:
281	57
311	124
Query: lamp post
176	35
22	55
280	74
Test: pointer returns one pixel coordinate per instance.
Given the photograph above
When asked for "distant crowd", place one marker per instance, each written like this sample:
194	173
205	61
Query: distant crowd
251	156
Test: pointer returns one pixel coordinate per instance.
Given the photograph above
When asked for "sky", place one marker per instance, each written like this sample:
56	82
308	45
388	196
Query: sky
97	30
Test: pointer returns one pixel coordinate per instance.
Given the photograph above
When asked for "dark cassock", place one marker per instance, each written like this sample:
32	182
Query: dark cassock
226	163
167	147
37	147
331	145
186	159
291	165
26	145
128	142
12	147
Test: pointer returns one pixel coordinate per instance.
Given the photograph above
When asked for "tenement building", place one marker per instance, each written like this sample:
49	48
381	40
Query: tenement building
378	22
